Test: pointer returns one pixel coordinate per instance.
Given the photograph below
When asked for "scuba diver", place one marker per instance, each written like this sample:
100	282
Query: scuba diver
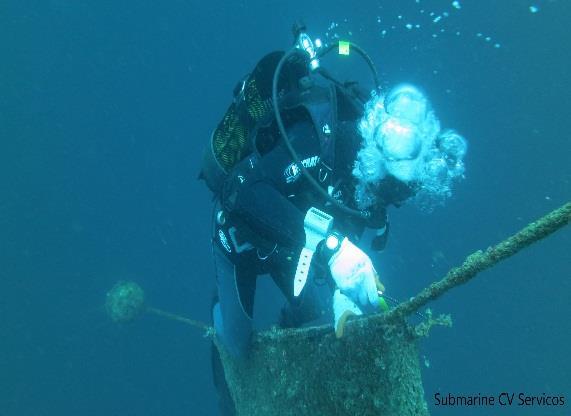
300	165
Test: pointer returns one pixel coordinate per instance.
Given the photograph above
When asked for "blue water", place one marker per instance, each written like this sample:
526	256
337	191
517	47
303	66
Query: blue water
105	107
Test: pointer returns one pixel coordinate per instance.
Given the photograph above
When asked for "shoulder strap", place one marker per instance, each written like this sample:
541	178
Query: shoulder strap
320	103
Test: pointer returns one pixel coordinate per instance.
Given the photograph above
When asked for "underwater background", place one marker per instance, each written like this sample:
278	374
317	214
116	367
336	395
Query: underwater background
105	108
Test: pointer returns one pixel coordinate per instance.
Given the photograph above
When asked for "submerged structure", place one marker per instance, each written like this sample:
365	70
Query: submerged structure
374	369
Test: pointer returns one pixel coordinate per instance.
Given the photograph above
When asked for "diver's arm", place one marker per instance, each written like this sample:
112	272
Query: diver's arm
258	189
267	212
379	222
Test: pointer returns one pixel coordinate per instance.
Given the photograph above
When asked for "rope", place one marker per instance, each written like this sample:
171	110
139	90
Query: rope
188	321
480	261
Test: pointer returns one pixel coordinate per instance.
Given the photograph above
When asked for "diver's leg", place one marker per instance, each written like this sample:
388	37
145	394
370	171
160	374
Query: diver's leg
232	314
225	402
232	311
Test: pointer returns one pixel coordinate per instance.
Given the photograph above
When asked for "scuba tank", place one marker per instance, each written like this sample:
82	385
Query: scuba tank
259	101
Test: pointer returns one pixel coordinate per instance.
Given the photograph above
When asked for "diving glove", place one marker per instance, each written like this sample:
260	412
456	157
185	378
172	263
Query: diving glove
343	308
355	276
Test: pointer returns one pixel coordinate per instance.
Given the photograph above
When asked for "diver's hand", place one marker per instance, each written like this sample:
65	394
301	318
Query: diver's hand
343	308
355	275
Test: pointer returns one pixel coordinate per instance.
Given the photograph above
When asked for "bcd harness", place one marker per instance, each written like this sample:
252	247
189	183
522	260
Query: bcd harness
240	135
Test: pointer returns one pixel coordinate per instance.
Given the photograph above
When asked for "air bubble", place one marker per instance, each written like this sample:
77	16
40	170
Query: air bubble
406	23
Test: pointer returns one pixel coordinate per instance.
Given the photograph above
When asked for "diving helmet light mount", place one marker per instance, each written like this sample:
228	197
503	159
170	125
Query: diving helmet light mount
305	43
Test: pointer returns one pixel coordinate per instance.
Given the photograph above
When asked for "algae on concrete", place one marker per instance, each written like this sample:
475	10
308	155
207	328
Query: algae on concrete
374	369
